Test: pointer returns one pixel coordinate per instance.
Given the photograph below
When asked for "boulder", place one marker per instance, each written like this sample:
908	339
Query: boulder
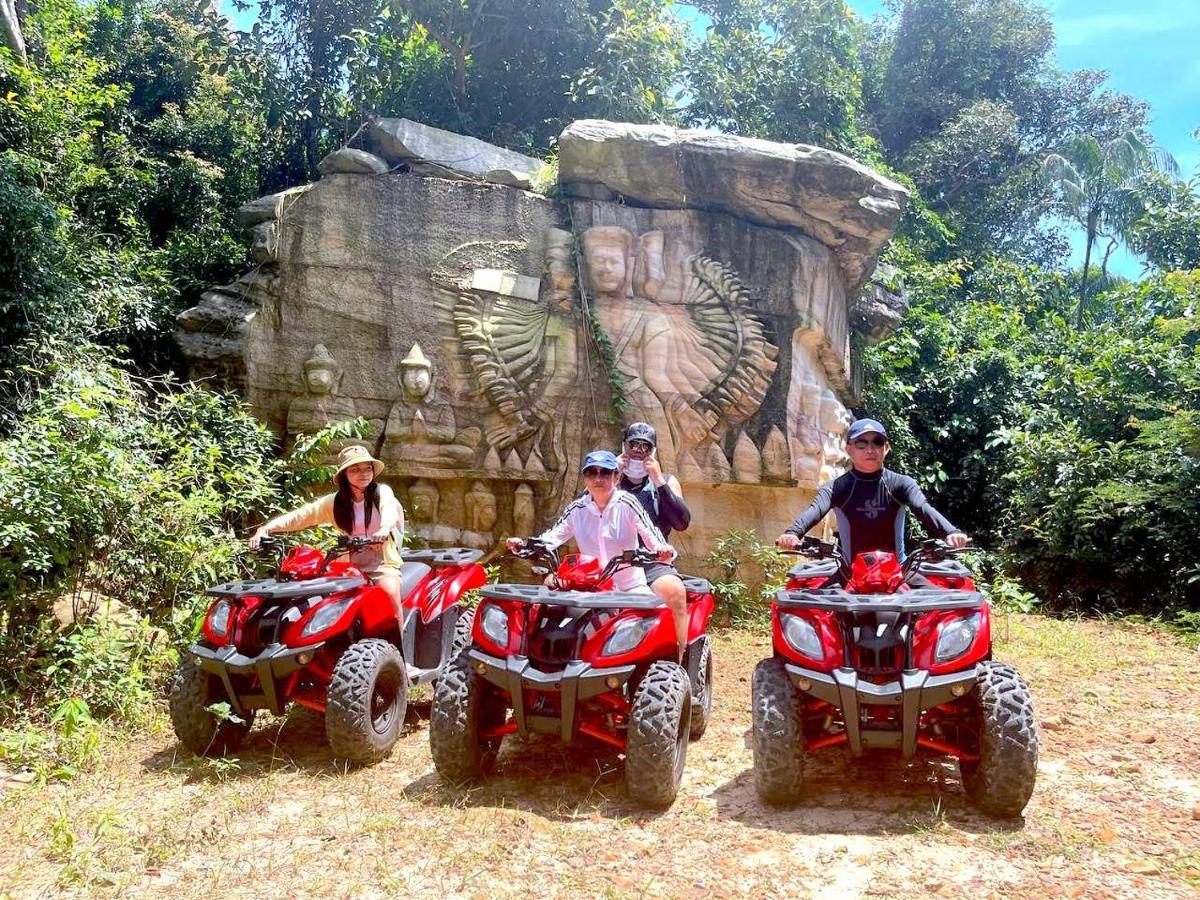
352	162
403	140
828	196
268	208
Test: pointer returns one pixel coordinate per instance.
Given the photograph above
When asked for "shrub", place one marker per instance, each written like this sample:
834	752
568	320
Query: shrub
750	573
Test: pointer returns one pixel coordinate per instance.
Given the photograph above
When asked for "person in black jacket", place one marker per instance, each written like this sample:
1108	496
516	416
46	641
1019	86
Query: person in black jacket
662	498
869	501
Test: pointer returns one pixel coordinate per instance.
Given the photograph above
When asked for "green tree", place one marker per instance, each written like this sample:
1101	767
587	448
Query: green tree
785	71
1167	232
1097	183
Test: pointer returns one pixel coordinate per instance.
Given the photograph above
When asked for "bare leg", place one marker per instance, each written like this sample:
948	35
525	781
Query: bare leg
391	584
672	592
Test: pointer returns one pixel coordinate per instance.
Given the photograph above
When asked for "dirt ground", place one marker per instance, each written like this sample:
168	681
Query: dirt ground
1116	811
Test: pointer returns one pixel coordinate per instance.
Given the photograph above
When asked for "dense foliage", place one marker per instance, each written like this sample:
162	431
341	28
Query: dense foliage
1052	413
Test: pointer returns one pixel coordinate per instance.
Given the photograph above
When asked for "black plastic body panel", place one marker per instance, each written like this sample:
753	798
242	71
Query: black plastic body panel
445	556
270	589
538	593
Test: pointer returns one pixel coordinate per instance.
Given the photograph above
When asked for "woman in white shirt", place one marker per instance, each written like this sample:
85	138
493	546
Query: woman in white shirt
606	522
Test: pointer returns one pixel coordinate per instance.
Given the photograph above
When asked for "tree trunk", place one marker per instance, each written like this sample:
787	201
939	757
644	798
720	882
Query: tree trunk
1087	267
13	39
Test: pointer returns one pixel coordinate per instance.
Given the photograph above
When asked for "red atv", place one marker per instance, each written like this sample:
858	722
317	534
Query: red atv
578	660
322	635
882	665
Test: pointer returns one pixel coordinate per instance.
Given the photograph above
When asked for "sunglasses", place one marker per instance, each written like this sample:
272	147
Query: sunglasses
593	472
644	446
864	444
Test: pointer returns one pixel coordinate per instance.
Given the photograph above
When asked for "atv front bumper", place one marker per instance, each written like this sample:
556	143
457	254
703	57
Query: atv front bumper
578	681
274	664
915	692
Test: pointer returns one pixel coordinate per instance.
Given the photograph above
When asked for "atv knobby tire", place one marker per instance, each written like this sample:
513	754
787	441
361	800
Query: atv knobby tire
1001	782
193	691
368	697
778	735
463	706
702	689
659	728
462	633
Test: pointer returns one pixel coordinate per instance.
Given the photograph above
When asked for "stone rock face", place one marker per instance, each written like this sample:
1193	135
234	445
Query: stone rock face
448	154
827	196
459	318
348	161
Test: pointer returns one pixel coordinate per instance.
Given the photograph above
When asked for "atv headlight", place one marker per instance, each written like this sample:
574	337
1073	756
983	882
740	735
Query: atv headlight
627	635
495	625
956	637
218	618
801	634
325	616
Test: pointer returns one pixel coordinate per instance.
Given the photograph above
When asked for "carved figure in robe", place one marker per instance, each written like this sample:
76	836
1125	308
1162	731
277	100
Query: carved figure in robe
320	404
420	428
695	356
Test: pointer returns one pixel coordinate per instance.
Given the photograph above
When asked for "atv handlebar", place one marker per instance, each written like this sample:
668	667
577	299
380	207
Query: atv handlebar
533	549
931	550
639	556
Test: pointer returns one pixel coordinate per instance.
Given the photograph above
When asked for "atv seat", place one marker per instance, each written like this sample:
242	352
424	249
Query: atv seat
411	574
695	587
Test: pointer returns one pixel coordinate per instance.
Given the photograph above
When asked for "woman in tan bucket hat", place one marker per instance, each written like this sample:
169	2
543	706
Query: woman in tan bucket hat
360	507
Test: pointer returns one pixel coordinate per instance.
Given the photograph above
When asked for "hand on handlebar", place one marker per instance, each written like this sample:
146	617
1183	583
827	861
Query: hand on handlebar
665	555
258	536
788	541
513	544
957	541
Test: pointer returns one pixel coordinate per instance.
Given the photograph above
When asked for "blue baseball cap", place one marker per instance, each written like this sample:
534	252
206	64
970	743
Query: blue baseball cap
601	459
865	426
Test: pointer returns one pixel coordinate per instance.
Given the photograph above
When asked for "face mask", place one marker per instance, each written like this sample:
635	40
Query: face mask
635	469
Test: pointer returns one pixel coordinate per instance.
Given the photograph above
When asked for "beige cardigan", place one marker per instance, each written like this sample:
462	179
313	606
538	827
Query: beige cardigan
320	512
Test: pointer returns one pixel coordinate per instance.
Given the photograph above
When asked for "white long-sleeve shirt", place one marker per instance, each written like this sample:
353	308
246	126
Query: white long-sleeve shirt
609	533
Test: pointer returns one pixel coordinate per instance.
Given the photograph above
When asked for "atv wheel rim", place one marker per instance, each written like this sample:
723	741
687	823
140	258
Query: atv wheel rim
383	700
682	735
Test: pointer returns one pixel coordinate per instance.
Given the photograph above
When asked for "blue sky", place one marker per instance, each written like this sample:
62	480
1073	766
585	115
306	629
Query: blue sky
1150	50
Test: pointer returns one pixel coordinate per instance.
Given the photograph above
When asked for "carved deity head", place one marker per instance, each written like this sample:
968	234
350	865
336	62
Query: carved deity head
481	508
423	500
416	374
321	372
607	251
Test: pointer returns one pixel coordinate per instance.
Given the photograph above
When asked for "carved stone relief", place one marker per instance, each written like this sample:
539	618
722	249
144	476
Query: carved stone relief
470	322
320	404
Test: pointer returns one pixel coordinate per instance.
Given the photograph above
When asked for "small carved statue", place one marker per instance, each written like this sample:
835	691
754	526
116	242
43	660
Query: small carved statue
481	508
423	500
320	405
524	514
776	460
420	428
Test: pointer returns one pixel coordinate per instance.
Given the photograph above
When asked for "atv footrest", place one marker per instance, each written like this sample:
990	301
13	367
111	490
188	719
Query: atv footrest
915	692
577	681
273	663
